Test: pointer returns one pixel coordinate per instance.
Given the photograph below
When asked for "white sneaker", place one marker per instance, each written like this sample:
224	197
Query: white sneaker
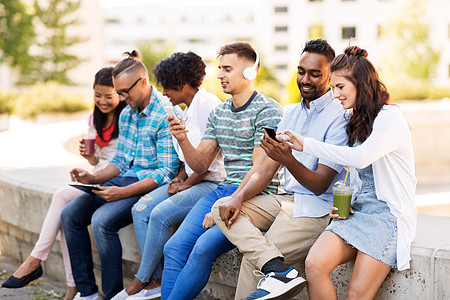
278	285
95	296
146	294
122	295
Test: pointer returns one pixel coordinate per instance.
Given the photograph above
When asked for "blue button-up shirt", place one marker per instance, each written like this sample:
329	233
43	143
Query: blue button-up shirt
145	142
325	122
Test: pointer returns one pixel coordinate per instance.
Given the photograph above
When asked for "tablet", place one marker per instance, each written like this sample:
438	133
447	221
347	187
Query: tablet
85	187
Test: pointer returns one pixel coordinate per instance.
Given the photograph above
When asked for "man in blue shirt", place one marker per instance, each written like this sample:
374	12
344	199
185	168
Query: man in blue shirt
295	220
145	158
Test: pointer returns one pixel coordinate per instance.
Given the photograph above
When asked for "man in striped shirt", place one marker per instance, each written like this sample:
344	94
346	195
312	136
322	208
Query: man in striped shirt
145	158
235	129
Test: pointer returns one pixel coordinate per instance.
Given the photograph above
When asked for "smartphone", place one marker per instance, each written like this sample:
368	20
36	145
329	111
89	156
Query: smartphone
271	132
171	112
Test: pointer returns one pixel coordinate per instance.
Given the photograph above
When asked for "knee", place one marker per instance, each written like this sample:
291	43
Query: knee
215	209
204	252
99	225
66	217
139	211
314	265
159	217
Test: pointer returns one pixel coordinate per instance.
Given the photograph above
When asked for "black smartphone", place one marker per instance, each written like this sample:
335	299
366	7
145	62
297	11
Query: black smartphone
271	132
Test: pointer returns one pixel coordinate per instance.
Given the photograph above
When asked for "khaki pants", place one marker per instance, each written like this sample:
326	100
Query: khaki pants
286	236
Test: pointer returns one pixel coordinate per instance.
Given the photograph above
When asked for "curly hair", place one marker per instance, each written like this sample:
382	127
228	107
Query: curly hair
371	93
179	69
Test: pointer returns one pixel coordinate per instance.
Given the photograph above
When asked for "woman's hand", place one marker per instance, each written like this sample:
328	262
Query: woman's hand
336	216
92	159
295	139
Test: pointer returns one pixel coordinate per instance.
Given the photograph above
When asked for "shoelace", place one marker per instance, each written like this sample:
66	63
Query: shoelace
258	273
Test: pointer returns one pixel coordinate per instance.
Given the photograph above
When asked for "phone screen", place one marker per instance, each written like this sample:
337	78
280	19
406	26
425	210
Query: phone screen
271	132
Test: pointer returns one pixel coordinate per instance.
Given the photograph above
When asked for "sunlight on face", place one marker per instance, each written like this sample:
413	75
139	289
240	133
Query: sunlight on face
344	90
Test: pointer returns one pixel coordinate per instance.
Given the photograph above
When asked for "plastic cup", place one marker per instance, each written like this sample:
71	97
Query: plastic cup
89	142
342	197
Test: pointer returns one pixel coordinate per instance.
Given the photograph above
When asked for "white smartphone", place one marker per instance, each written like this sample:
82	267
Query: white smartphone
171	112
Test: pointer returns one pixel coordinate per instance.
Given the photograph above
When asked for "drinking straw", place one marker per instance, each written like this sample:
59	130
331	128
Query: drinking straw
346	175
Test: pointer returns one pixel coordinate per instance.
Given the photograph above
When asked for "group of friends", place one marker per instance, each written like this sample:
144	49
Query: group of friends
214	171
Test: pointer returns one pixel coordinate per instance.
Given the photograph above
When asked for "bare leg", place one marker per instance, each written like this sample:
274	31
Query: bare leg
28	266
327	253
71	292
368	274
154	283
135	286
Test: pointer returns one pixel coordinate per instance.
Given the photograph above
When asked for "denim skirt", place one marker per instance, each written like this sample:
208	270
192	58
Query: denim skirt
372	229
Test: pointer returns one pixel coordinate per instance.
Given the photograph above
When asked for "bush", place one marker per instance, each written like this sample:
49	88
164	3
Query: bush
7	102
417	91
49	98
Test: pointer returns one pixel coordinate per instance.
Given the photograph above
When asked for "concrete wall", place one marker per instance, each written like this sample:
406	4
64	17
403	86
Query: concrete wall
22	209
430	130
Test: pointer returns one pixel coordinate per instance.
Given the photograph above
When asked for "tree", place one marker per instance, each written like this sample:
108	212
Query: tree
267	83
52	59
151	54
411	55
16	33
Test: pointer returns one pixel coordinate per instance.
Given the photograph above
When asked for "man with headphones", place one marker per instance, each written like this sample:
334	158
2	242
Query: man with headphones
235	129
274	232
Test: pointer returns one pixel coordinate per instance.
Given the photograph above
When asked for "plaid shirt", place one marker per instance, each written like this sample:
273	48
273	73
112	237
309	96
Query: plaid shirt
145	142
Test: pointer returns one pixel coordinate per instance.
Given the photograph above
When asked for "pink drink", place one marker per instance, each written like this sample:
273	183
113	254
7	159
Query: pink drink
89	143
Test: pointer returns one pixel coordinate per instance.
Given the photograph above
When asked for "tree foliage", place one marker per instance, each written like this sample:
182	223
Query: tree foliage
16	33
411	55
51	58
152	53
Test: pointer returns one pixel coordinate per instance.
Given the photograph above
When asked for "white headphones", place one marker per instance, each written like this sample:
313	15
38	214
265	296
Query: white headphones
250	72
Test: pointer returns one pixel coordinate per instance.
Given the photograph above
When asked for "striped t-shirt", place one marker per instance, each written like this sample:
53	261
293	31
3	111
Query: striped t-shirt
239	130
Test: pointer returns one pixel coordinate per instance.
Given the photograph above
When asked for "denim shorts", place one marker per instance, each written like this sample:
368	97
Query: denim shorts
372	229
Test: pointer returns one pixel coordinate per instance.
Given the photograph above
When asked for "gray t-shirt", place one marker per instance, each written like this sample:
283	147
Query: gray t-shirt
239	130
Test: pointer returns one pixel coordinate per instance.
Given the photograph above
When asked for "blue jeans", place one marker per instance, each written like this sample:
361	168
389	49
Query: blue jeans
191	251
106	218
153	215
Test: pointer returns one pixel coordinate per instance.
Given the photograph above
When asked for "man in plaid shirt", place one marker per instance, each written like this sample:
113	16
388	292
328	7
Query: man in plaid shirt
145	158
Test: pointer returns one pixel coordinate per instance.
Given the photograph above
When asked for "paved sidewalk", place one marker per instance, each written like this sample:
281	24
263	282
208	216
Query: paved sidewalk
41	289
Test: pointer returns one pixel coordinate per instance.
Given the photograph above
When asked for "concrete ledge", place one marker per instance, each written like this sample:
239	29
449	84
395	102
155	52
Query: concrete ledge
23	207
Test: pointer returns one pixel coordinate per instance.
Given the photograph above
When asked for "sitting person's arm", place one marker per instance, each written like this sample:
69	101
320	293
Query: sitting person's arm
256	180
183	182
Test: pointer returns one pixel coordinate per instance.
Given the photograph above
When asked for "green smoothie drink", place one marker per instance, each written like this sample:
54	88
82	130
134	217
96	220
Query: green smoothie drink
342	197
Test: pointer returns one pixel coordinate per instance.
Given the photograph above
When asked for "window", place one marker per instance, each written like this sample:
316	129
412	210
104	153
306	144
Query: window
348	32
281	28
281	9
379	31
281	67
315	31
281	47
112	21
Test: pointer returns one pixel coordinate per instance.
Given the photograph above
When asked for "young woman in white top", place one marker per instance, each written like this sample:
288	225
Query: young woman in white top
104	118
180	75
379	232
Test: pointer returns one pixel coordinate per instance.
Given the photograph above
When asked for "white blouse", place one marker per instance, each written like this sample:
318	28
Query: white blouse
389	150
